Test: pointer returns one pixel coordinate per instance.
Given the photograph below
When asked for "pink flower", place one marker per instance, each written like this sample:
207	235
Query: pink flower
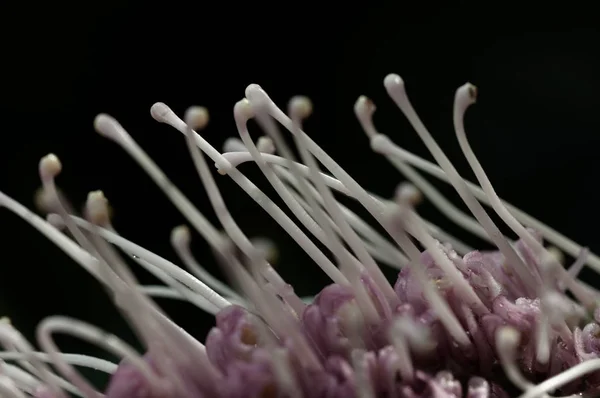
455	323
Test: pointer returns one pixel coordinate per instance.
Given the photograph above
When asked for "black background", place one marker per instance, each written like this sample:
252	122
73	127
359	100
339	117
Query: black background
534	128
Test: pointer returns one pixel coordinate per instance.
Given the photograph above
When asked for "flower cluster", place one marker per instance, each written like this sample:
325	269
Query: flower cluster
456	323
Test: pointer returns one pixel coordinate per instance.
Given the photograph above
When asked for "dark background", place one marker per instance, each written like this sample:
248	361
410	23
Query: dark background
535	127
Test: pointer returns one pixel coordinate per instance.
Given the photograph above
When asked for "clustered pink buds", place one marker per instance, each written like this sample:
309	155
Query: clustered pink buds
456	323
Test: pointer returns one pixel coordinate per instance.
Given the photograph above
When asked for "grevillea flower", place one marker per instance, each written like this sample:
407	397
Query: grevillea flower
456	322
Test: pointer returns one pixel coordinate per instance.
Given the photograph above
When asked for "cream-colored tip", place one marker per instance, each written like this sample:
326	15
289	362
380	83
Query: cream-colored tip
50	166
196	117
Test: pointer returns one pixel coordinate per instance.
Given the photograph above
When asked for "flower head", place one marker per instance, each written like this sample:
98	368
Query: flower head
456	322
